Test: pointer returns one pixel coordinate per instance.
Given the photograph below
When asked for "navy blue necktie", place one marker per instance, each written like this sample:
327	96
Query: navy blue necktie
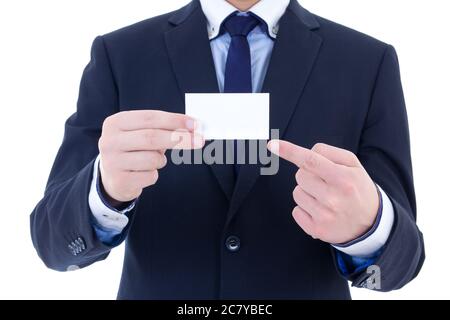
238	68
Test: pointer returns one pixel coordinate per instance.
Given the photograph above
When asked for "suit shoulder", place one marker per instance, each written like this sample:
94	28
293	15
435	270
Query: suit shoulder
350	40
152	27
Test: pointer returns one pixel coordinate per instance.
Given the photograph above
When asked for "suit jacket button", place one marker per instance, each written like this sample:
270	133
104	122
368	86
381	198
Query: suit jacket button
72	249
80	243
233	244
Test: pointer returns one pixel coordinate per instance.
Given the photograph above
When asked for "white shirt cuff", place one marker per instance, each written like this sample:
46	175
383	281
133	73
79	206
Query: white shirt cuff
106	216
368	245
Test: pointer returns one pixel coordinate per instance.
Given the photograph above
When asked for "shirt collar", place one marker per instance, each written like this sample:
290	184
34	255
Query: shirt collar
270	11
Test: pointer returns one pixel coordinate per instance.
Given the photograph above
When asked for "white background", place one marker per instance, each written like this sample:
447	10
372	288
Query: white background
44	46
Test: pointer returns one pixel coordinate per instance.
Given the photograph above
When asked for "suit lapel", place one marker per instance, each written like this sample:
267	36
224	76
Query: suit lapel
190	54
293	57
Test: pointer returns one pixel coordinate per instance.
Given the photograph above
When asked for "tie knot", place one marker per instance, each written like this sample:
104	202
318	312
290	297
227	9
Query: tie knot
239	25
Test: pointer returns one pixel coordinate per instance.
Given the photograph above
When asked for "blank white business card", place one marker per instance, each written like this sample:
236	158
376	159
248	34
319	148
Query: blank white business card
230	116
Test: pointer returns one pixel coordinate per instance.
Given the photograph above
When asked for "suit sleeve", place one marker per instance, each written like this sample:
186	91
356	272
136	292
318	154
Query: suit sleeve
61	223
384	151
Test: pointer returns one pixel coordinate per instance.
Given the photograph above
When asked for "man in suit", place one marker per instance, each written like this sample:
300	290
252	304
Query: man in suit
342	207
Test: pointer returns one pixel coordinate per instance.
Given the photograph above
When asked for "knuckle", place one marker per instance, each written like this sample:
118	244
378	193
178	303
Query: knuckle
112	121
178	137
101	144
163	161
295	211
151	161
107	123
348	188
299	176
155	162
318	232
119	115
104	145
158	161
153	178
149	137
302	183
298	214
312	160
296	192
319	147
353	156
332	203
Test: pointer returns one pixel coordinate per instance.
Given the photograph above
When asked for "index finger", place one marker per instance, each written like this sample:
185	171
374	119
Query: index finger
304	158
153	119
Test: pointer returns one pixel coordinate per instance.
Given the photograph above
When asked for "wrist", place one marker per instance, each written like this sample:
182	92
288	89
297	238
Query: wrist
109	200
374	213
377	237
370	228
116	204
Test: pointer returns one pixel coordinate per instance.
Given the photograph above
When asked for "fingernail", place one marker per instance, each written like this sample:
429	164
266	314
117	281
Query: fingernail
191	124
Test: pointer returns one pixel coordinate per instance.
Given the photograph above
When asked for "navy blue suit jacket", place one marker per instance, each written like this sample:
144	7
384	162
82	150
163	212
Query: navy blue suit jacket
327	83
